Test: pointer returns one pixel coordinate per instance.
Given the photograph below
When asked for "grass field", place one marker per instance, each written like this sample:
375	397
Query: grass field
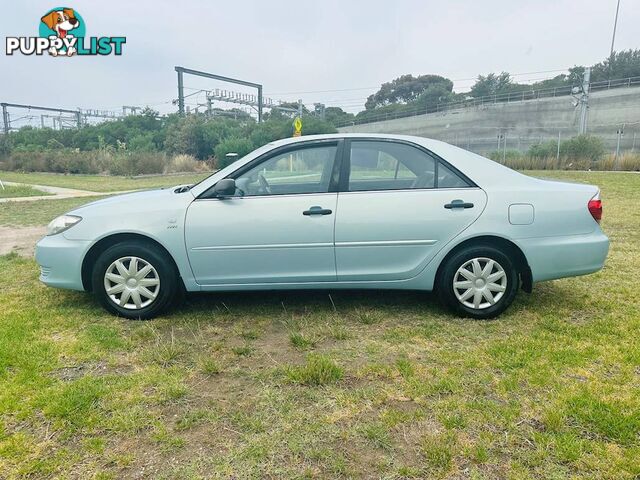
101	183
13	191
38	212
352	385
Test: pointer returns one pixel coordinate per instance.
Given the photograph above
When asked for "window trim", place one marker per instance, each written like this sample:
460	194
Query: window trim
346	166
265	157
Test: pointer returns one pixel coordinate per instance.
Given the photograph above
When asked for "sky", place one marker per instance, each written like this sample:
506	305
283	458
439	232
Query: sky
330	51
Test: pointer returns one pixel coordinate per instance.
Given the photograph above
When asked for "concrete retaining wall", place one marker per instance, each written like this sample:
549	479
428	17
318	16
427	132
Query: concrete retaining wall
524	123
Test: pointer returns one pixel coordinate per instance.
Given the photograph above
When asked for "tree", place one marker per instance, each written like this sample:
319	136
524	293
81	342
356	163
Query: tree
198	135
576	74
492	84
407	88
435	94
314	126
337	116
623	64
278	114
5	145
240	146
561	80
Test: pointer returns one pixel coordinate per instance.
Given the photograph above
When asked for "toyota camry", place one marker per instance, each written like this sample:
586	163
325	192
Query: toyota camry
332	212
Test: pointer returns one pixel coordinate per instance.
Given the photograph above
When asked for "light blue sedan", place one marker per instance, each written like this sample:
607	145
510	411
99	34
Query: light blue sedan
327	212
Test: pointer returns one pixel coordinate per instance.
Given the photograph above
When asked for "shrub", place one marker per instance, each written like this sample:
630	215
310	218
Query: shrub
543	150
629	161
143	142
509	155
186	163
586	147
136	163
5	145
198	135
97	161
56	161
241	146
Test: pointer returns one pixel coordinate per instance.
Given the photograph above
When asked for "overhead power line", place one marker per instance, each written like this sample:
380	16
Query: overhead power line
378	86
197	90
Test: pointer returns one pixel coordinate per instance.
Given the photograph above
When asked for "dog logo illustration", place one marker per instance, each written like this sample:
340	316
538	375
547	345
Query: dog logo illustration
62	33
61	21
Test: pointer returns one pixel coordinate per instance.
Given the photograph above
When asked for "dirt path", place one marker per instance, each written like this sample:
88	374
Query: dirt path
20	239
57	193
23	239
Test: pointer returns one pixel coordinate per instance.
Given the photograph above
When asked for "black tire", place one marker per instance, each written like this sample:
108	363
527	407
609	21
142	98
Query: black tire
445	282
169	284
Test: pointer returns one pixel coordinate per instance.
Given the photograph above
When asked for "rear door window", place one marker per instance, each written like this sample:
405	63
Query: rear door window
378	165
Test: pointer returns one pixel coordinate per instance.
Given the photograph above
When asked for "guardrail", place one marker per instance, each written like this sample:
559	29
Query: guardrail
510	97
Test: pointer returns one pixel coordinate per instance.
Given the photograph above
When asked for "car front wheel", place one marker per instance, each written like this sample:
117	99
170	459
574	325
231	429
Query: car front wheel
479	282
135	280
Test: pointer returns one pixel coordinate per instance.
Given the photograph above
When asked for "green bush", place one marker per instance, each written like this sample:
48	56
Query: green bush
5	145
198	135
241	146
142	143
136	163
129	145
543	150
582	147
93	162
55	161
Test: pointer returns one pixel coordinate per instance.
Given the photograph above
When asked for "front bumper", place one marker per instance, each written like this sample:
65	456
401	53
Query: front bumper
60	261
565	256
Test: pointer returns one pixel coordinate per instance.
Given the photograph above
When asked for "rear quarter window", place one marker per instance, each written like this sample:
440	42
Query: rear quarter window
447	178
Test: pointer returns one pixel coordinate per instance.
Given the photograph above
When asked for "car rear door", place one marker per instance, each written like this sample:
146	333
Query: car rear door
280	231
398	206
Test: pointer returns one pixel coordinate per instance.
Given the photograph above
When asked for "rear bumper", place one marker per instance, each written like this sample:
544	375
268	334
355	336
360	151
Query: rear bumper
566	256
60	261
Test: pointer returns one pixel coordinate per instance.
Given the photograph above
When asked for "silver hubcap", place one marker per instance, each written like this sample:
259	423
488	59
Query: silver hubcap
132	283
480	283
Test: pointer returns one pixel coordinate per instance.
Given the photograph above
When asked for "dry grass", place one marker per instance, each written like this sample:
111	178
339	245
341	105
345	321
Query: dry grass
186	163
626	162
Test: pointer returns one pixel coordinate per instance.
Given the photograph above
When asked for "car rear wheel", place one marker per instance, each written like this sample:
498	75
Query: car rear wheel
135	280
478	281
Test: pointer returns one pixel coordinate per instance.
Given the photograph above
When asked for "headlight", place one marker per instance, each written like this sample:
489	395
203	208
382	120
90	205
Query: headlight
62	223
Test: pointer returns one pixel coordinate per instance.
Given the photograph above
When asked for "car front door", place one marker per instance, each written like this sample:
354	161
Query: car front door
277	228
397	206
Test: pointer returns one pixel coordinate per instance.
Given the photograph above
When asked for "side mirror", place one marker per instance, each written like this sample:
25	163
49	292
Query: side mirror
225	188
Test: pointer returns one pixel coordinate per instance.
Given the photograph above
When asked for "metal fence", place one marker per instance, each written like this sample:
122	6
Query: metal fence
628	142
520	96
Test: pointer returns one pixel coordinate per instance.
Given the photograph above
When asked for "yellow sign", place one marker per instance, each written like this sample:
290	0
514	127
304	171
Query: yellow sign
297	127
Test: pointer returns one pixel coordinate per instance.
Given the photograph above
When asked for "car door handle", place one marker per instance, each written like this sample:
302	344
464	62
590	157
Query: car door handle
317	211
458	204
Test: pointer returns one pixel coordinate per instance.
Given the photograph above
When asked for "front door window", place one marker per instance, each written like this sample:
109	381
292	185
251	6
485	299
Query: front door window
300	171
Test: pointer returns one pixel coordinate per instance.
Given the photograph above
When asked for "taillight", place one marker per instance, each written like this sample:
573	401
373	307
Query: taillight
595	209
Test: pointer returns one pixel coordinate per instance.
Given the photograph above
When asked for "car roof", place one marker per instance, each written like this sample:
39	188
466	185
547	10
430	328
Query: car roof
373	136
